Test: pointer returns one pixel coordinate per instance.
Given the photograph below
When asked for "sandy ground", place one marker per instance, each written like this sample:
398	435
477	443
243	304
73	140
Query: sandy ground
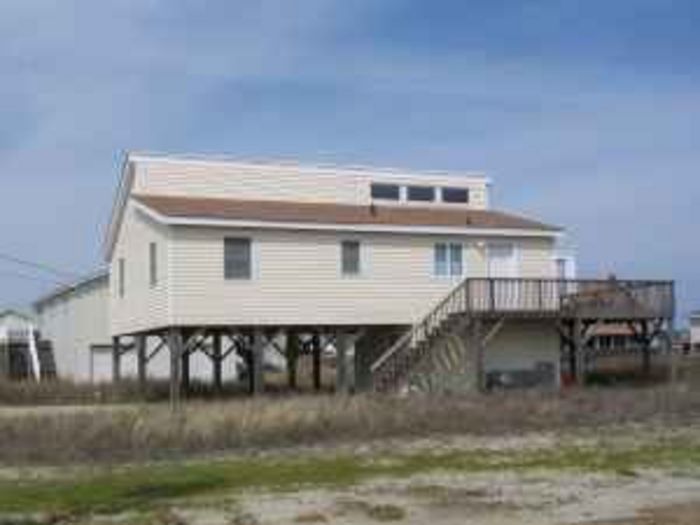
47	410
506	498
640	497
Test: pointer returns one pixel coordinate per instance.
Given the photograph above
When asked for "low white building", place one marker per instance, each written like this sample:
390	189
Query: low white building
76	320
695	332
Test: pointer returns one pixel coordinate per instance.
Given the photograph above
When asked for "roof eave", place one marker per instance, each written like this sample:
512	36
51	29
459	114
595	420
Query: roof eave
349	227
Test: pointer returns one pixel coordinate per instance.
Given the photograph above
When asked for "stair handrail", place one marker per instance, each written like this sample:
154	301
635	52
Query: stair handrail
415	328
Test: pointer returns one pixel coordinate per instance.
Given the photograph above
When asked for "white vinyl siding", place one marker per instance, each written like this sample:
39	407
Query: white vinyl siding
523	345
535	258
297	278
153	263
240	180
142	306
122	277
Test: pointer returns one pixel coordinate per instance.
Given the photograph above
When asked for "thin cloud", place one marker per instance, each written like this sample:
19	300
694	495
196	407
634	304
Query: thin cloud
603	144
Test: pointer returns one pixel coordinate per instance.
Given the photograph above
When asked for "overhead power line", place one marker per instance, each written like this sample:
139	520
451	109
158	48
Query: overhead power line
38	266
20	275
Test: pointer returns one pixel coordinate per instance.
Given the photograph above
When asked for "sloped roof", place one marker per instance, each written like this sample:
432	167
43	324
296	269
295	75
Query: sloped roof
67	289
336	214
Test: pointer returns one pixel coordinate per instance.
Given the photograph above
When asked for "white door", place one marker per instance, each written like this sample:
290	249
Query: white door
503	264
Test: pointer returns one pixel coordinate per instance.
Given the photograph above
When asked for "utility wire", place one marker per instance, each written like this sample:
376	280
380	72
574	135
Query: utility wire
20	275
37	266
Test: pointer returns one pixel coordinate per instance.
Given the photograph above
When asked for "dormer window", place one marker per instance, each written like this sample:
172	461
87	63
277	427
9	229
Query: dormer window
455	195
421	193
389	192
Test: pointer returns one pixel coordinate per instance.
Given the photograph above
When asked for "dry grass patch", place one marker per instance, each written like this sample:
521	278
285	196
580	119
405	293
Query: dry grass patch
153	432
311	517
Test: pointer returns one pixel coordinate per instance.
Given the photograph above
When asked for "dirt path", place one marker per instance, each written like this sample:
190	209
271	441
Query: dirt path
507	498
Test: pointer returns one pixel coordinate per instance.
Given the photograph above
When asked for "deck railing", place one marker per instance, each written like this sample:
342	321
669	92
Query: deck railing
609	299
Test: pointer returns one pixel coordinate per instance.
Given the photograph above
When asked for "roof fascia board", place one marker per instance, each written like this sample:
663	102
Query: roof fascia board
364	228
126	183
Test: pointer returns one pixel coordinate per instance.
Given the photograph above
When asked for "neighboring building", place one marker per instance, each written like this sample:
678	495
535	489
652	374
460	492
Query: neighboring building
75	318
19	346
695	332
613	339
14	325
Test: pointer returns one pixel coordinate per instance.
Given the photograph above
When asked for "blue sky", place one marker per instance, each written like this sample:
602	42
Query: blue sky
585	113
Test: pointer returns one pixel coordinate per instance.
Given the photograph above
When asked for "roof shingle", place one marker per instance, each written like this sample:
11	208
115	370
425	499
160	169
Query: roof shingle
330	213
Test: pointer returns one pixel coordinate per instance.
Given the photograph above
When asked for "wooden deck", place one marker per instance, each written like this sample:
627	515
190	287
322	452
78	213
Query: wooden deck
575	306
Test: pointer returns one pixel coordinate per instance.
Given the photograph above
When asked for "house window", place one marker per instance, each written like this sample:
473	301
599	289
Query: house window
153	263
421	193
455	195
385	191
121	276
237	258
350	257
448	260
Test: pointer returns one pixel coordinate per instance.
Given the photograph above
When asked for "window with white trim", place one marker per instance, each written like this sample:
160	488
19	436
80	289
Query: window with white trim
455	195
381	191
350	260
421	193
448	259
237	258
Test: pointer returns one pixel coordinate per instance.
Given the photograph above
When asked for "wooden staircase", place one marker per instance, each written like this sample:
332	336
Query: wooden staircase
476	299
393	366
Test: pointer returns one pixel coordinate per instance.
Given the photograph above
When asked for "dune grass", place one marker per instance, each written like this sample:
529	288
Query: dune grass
105	435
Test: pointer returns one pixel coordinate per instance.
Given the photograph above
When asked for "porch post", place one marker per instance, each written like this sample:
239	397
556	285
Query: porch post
478	341
257	375
342	344
216	361
5	361
175	344
116	359
185	372
579	352
672	355
646	349
140	342
316	349
292	355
